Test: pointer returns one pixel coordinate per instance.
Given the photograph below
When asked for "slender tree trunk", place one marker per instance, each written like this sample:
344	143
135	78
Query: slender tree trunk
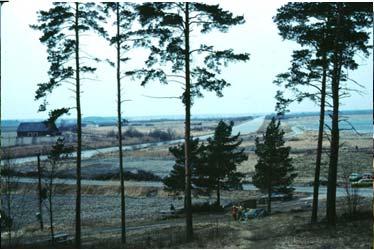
334	155
320	141
334	146
334	150
8	201
119	113
269	199
218	193
1	138
269	190
50	207
79	134
187	100
40	193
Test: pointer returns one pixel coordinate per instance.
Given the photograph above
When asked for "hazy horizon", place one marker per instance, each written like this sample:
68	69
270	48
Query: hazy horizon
179	116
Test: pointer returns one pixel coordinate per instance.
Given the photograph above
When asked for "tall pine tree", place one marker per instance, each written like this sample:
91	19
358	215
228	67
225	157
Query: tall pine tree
309	66
274	170
121	40
336	31
307	79
173	25
62	27
1	5
351	22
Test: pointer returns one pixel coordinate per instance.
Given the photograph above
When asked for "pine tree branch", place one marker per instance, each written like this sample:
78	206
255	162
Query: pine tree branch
161	97
201	50
201	22
178	76
176	81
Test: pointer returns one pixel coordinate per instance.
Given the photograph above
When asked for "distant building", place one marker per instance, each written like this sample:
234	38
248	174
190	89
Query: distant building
33	129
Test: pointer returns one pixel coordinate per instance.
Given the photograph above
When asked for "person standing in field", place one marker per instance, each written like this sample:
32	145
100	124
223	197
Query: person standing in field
234	212
172	208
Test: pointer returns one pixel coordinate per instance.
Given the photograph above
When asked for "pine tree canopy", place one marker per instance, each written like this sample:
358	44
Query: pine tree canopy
164	34
315	24
57	26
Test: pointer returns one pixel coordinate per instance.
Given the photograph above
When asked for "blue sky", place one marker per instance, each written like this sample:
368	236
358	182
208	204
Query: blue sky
252	91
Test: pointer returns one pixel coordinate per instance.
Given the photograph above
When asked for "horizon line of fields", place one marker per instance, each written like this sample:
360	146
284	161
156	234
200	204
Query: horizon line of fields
176	117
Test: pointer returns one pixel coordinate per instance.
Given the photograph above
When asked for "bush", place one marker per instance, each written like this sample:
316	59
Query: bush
132	132
112	133
140	175
5	220
162	135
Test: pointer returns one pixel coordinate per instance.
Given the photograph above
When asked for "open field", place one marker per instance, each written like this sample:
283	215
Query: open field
355	155
148	228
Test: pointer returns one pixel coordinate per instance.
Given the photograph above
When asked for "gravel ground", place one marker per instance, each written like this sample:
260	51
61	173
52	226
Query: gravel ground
96	210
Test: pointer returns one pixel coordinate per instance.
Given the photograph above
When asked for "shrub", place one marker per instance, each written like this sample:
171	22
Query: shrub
112	133
162	135
140	175
132	132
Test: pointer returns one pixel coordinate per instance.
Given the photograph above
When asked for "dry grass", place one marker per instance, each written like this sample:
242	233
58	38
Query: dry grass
293	230
303	152
132	189
159	152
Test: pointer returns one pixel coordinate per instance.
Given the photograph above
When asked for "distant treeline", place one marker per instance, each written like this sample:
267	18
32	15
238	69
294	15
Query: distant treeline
305	114
111	121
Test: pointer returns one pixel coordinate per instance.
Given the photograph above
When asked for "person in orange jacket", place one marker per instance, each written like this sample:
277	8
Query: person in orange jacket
234	212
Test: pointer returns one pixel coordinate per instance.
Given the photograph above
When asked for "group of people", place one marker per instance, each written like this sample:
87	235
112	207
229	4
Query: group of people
242	214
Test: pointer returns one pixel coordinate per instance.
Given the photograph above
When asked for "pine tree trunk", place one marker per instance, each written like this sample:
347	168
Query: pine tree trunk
187	100
40	193
320	141
334	151
334	145
119	114
269	199
8	201
1	153
51	208
334	155
79	134
269	190
218	193
51	222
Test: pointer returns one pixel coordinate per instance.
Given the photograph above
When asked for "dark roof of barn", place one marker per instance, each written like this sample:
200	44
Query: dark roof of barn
35	127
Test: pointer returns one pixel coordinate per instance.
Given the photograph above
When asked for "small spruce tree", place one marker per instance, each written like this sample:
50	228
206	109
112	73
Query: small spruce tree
222	157
174	182
273	171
